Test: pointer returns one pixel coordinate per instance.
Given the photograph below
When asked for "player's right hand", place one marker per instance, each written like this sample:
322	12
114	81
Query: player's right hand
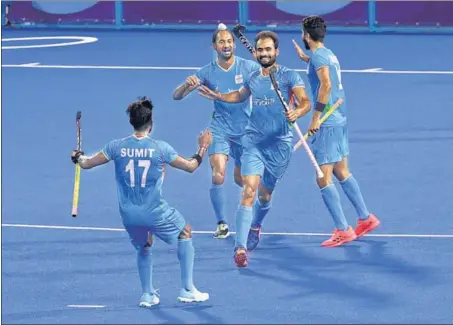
192	81
205	139
208	93
300	52
75	156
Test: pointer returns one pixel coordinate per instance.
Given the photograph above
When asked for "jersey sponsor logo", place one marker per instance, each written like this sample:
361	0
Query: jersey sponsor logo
239	79
263	101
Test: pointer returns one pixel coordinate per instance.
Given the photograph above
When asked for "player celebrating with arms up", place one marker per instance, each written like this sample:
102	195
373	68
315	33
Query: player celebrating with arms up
267	142
139	166
330	142
229	120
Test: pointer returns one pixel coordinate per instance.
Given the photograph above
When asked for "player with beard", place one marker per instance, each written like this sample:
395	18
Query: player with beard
330	140
228	122
267	142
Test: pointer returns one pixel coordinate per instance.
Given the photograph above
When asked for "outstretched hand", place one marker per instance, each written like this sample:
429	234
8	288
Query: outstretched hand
208	93
301	52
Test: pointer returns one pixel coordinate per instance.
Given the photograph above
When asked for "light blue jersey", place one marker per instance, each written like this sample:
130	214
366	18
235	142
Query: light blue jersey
267	143
139	168
268	121
228	119
324	57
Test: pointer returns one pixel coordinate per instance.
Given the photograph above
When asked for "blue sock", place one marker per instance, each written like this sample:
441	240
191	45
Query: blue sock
217	193
243	223
259	212
186	256
332	202
352	191
145	269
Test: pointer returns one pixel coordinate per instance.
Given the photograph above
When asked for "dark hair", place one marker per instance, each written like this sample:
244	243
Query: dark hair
217	31
140	113
316	27
267	34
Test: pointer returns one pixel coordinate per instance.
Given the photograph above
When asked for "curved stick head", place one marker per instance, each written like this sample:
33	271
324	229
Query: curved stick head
238	29
78	116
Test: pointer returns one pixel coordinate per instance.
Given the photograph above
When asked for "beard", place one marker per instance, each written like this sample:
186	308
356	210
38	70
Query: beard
266	61
225	55
307	47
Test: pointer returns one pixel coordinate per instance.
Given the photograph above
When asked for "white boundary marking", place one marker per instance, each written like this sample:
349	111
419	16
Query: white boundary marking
85	306
79	40
211	232
131	67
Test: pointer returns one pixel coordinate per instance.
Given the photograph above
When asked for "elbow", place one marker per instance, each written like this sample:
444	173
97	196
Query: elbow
176	96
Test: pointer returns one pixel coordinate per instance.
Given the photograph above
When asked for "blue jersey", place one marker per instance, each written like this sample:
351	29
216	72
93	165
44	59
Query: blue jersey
139	168
268	121
323	57
228	118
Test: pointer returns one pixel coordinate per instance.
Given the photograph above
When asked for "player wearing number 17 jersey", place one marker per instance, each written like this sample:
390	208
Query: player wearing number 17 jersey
139	166
330	140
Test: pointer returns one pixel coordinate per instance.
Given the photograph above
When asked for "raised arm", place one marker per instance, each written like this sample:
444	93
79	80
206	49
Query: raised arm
191	164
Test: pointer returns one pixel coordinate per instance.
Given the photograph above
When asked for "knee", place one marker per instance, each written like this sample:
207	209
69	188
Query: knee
264	197
186	233
325	181
218	177
342	173
248	195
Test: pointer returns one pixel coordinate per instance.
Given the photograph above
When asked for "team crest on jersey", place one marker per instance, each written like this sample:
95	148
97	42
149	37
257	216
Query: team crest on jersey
238	79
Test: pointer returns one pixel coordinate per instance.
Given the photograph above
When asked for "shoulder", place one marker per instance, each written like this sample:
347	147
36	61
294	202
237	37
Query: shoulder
162	145
110	150
291	77
206	68
247	62
322	55
287	72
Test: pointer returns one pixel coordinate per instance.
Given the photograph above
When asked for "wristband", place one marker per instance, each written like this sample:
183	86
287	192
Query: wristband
320	107
198	158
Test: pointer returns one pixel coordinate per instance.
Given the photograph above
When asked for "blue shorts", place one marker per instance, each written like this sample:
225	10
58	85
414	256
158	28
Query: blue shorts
269	161
226	145
330	144
167	229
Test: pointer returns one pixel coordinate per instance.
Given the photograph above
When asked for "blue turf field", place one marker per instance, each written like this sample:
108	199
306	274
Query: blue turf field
401	142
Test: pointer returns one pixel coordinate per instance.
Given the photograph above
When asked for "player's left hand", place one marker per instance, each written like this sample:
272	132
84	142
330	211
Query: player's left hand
208	93
291	115
76	155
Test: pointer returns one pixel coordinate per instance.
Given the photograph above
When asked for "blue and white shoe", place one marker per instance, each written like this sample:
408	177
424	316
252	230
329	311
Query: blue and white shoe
149	300
192	296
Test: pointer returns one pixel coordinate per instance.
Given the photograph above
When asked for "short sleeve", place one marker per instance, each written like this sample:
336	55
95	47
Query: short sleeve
319	61
168	153
110	150
294	79
203	74
250	68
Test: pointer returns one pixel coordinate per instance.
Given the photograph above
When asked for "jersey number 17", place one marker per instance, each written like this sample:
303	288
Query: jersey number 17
130	168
